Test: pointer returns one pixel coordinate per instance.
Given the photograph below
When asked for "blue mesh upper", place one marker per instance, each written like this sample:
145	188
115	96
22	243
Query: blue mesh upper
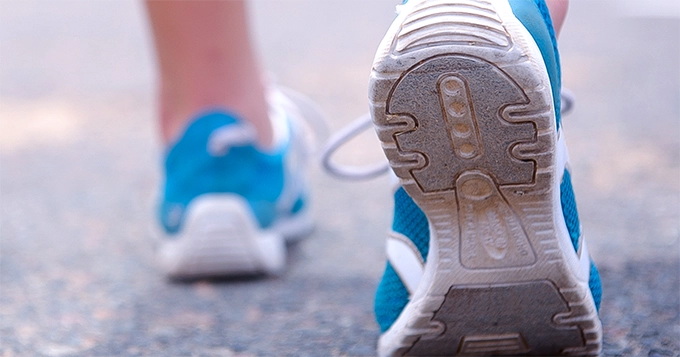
595	285
569	210
410	221
535	17
192	171
392	295
545	12
390	299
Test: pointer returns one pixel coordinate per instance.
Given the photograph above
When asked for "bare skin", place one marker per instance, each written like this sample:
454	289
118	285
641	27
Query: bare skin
206	60
558	12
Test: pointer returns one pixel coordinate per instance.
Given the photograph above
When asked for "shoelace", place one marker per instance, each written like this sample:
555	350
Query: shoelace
362	123
307	114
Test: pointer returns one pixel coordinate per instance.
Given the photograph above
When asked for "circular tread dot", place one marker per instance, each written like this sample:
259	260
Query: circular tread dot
467	151
457	109
452	86
476	189
462	130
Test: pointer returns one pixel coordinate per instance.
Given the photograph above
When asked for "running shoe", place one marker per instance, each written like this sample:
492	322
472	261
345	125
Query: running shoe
228	207
486	255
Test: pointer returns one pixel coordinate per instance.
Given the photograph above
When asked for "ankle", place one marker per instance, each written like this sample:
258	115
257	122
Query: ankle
176	113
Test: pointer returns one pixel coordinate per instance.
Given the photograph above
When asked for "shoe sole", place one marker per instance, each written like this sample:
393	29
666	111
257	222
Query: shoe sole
462	104
220	237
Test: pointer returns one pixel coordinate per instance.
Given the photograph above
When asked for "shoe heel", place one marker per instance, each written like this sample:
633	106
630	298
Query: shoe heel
220	237
466	119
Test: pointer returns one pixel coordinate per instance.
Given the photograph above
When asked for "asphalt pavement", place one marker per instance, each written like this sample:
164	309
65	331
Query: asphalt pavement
80	160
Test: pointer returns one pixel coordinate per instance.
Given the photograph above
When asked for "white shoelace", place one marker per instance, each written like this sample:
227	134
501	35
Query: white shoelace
306	113
362	123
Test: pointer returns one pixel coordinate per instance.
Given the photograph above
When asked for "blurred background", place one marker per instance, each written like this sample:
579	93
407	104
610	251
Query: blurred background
80	159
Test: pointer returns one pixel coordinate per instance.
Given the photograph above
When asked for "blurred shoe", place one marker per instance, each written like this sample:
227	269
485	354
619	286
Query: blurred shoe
486	255
228	206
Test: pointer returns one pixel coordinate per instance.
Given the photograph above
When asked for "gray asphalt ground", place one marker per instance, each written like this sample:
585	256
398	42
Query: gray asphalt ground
79	166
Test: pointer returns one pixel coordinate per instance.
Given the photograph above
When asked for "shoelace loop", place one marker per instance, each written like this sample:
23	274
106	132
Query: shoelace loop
340	138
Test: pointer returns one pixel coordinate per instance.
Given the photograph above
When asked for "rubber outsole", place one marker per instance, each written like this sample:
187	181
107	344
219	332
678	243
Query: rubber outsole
463	107
220	237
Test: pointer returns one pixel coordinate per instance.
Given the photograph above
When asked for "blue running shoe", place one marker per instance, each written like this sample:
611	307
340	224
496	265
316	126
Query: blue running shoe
486	256
228	206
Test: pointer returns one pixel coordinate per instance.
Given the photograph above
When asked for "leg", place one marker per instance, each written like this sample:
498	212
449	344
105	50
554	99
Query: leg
230	198
558	12
206	62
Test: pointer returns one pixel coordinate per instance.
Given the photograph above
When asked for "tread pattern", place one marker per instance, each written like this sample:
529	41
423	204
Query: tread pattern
470	132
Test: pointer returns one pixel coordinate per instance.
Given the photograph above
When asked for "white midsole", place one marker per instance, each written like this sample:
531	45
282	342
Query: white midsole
220	236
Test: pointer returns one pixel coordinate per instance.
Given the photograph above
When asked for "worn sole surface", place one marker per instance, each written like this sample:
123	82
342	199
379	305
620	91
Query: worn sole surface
462	104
